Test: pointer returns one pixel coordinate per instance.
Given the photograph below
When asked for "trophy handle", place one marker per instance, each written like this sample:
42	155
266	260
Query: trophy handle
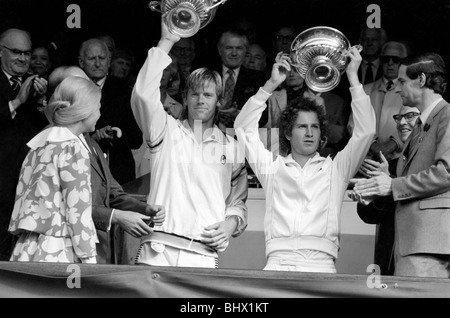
153	5
217	4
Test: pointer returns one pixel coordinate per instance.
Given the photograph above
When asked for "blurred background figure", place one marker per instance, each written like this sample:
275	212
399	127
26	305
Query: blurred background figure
122	63
256	58
41	62
185	54
110	43
372	41
283	37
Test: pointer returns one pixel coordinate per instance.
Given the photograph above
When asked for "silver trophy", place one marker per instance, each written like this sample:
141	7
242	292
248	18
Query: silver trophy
185	17
319	55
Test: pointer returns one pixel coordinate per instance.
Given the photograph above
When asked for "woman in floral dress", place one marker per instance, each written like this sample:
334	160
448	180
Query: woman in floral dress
52	212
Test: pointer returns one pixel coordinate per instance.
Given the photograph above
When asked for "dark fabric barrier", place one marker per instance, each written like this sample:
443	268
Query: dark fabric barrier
53	280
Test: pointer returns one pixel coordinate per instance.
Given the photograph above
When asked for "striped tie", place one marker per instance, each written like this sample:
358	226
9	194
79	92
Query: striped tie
229	89
15	85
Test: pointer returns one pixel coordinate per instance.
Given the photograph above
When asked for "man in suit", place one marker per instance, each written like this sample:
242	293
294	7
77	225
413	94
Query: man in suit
113	210
240	83
20	120
372	40
94	59
421	189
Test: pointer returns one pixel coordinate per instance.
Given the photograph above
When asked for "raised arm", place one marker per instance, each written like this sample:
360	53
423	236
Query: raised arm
246	123
145	99
350	158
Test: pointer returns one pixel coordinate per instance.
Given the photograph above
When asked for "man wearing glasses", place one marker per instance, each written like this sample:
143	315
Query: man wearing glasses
385	97
382	210
20	120
421	189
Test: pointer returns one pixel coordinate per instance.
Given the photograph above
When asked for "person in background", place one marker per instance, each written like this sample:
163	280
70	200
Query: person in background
94	59
195	171
184	53
304	191
52	215
256	58
239	83
385	97
372	41
41	62
122	63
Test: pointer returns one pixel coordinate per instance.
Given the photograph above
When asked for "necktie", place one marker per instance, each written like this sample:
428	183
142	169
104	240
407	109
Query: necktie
15	85
369	74
389	85
414	136
229	88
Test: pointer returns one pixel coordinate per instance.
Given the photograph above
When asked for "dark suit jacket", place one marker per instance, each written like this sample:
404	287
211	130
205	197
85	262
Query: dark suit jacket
378	74
381	211
247	84
422	189
116	112
14	135
107	195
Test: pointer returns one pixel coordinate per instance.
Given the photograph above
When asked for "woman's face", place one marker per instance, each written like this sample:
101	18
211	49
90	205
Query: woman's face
40	61
294	80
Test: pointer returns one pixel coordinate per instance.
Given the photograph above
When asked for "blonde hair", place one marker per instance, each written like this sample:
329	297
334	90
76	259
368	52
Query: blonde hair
74	99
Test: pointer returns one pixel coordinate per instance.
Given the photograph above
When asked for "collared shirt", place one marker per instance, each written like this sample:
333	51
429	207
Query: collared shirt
303	204
426	113
198	183
101	82
385	82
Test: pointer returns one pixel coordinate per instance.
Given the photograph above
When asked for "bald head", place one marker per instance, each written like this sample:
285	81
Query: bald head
15	51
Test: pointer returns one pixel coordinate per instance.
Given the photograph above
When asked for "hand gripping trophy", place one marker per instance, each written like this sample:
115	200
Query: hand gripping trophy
319	54
186	17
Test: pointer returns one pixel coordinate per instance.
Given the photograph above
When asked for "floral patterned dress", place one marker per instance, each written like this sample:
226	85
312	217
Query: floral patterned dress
53	209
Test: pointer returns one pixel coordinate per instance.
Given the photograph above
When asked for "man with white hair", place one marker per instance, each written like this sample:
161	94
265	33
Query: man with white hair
94	59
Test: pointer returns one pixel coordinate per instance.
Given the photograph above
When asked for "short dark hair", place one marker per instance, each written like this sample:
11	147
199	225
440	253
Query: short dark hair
432	65
289	116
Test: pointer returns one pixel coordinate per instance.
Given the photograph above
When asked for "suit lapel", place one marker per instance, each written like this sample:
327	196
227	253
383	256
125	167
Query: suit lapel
96	160
422	134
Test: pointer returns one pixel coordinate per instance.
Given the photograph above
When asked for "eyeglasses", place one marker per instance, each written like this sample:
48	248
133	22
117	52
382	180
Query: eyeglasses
409	116
17	52
284	37
387	58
